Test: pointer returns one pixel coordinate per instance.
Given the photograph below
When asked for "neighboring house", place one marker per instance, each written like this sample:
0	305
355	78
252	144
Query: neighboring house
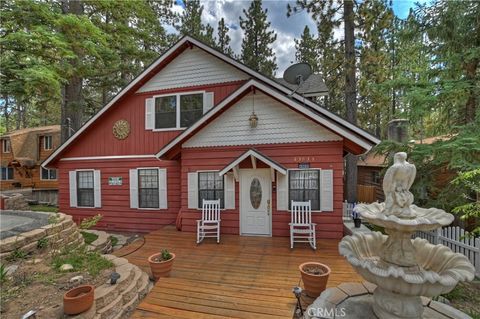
196	125
370	175
22	152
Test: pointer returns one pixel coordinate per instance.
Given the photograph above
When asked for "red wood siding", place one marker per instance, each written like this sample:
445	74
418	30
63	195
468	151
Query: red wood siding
325	155
98	140
115	209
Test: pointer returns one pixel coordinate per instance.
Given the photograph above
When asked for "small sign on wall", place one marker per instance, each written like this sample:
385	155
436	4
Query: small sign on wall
303	165
115	180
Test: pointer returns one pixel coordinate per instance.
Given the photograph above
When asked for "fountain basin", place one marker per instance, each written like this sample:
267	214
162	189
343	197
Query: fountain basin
439	269
425	218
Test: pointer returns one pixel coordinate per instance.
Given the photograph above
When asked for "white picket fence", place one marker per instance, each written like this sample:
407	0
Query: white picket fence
454	238
347	210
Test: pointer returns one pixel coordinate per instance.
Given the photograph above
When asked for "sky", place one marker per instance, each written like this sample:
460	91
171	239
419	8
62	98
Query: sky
287	28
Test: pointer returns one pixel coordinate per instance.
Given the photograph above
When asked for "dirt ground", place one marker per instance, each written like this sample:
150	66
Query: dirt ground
40	288
466	297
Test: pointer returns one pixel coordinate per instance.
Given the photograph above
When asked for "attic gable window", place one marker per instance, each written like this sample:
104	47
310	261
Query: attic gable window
6	146
178	111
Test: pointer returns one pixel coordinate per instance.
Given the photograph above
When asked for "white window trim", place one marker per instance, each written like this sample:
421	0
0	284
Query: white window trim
138	189
50	137
86	170
319	186
8	179
177	97
48	169
6	142
198	188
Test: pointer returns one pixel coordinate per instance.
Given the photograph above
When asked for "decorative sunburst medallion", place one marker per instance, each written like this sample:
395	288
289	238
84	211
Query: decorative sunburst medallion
121	129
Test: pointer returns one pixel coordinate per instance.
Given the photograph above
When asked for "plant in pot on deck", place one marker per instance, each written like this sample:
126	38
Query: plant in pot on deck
314	276
161	264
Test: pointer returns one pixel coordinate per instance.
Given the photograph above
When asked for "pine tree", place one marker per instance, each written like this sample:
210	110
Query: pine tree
256	44
306	49
191	23
223	41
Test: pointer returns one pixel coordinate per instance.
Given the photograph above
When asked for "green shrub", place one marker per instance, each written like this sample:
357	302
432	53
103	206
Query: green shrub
42	243
166	255
89	237
82	260
17	254
113	240
3	273
88	223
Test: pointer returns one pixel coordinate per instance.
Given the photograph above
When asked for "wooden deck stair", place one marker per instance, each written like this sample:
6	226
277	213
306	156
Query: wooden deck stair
242	277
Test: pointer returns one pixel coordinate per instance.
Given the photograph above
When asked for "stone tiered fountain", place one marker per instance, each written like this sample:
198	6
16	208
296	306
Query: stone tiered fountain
403	269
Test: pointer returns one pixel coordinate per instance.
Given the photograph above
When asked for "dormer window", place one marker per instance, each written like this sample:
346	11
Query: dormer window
6	146
47	142
176	111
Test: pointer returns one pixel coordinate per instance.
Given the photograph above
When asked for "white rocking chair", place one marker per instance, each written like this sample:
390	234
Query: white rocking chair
209	225
302	230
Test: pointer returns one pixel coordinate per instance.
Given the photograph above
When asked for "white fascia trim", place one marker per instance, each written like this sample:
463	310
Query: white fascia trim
115	99
257	155
104	157
283	88
284	99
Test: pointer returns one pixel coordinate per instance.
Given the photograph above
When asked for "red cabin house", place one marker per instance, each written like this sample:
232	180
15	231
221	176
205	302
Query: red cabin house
183	131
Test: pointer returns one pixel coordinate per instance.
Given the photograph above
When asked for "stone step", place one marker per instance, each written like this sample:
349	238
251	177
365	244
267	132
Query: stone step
145	286
111	310
131	290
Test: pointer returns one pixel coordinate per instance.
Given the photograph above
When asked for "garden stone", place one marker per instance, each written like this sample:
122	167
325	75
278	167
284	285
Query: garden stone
34	261
10	270
66	267
76	279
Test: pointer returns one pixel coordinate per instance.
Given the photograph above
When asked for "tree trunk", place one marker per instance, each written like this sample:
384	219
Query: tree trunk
6	114
350	96
72	106
471	105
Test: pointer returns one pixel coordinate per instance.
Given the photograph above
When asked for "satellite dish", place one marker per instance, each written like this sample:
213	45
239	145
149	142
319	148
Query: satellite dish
297	74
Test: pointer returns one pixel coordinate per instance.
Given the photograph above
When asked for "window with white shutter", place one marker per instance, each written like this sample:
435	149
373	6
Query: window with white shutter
326	186
192	190
282	192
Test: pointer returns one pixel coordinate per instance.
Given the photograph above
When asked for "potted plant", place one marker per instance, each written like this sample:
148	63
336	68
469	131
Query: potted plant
78	300
356	219
314	276
161	264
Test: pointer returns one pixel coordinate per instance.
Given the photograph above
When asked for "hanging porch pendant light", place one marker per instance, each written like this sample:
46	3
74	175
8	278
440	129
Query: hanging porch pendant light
253	119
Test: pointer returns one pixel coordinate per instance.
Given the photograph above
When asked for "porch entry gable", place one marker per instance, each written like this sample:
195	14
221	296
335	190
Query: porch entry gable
254	155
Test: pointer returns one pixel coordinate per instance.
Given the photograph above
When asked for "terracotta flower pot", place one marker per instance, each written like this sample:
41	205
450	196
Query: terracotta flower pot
314	277
160	268
78	300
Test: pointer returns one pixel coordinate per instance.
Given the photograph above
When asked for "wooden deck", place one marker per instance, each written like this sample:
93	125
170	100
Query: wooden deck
242	277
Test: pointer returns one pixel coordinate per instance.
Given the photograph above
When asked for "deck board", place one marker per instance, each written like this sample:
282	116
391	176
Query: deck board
242	277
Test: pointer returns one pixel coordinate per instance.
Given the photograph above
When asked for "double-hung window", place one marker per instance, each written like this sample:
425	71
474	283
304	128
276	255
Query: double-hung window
85	189
178	111
148	195
49	174
304	185
6	174
210	187
47	142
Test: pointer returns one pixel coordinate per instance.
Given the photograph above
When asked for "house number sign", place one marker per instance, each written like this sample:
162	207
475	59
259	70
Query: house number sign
115	181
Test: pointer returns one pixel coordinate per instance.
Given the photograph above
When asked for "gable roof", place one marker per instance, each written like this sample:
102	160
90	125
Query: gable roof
285	99
169	55
256	154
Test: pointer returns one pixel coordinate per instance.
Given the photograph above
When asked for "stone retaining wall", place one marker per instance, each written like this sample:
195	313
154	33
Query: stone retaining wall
60	233
14	202
119	300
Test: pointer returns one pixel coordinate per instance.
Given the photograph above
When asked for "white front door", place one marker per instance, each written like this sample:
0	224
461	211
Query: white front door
255	202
